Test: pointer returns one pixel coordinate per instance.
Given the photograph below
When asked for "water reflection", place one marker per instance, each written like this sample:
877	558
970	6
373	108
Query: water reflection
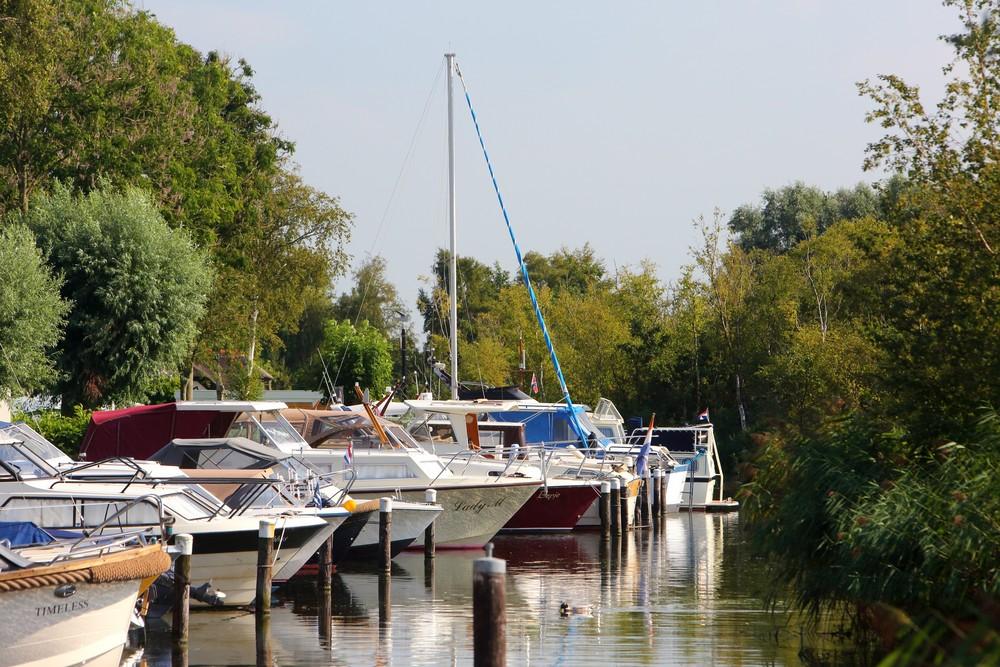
663	596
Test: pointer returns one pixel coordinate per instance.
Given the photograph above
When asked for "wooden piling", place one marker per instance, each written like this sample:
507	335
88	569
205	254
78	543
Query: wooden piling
663	495
623	507
384	599
430	496
657	508
605	510
489	614
265	558
325	564
616	515
645	508
182	590
385	534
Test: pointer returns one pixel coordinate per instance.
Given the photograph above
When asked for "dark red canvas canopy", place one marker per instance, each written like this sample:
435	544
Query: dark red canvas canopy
141	431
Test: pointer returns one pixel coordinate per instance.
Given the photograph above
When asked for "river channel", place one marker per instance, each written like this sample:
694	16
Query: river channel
686	595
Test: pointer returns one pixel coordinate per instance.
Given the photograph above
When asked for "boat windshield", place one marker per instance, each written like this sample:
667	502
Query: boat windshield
35	443
267	428
19	462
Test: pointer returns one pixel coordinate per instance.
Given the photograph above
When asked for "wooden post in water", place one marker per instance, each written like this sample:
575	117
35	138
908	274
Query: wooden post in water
385	534
182	590
384	599
265	558
489	611
647	483
623	506
656	493
616	515
605	510
325	563
430	496
663	495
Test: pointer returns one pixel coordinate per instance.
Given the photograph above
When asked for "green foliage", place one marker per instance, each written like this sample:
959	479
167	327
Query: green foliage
136	289
31	314
578	271
93	91
352	354
791	214
64	431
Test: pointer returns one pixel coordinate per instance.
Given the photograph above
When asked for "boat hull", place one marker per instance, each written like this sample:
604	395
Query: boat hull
554	509
471	515
228	559
408	525
591	519
674	489
42	629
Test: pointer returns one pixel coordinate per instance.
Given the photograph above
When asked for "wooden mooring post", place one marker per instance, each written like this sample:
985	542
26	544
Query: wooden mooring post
489	611
265	559
385	535
662	485
430	496
623	524
605	510
616	515
657	499
325	564
645	508
182	590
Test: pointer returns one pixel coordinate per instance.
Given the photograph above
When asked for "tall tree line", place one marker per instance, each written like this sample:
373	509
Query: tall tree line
100	99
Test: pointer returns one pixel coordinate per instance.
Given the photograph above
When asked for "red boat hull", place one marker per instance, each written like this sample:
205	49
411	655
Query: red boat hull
556	510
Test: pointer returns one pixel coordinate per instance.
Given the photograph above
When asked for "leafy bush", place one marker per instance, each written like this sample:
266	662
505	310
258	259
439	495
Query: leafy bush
64	431
856	522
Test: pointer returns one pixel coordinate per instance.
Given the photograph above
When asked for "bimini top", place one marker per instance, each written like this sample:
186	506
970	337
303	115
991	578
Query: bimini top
218	453
142	430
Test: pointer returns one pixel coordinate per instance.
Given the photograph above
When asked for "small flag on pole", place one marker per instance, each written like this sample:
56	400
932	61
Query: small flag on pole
703	415
534	384
349	454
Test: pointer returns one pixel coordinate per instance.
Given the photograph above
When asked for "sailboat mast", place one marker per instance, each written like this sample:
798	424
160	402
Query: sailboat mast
453	269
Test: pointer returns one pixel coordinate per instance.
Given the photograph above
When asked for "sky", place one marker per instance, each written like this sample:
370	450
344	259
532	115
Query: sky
613	123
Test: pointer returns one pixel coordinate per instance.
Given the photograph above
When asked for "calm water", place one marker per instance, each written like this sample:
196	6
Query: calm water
681	597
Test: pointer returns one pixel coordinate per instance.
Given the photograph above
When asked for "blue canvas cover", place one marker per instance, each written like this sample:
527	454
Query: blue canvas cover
23	534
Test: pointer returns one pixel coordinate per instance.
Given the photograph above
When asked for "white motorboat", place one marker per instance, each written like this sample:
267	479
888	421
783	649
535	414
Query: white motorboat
71	602
475	507
225	539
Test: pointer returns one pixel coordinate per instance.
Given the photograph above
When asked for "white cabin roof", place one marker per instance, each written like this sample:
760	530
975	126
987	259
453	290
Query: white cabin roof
231	406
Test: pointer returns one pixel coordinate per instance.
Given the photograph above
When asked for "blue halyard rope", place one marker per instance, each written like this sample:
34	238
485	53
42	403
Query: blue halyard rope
574	422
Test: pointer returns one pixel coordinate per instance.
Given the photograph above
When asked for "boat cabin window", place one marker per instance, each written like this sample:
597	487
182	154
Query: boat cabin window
384	471
36	444
676	440
267	428
222	458
67	512
18	462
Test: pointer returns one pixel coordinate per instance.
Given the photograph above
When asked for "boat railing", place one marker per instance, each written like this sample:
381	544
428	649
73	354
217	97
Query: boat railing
511	467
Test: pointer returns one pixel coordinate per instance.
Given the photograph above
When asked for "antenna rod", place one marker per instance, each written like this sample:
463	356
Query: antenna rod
453	270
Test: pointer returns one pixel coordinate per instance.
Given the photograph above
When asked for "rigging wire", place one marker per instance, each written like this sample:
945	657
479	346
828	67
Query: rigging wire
388	206
574	422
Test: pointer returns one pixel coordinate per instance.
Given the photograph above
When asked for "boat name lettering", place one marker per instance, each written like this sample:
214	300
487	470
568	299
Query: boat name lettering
62	608
548	496
476	508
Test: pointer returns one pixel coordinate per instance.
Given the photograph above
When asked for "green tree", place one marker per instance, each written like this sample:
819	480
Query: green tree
135	287
478	288
31	314
942	284
790	214
372	297
353	354
575	270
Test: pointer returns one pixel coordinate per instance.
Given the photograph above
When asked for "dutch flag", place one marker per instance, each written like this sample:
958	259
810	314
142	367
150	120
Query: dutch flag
349	454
